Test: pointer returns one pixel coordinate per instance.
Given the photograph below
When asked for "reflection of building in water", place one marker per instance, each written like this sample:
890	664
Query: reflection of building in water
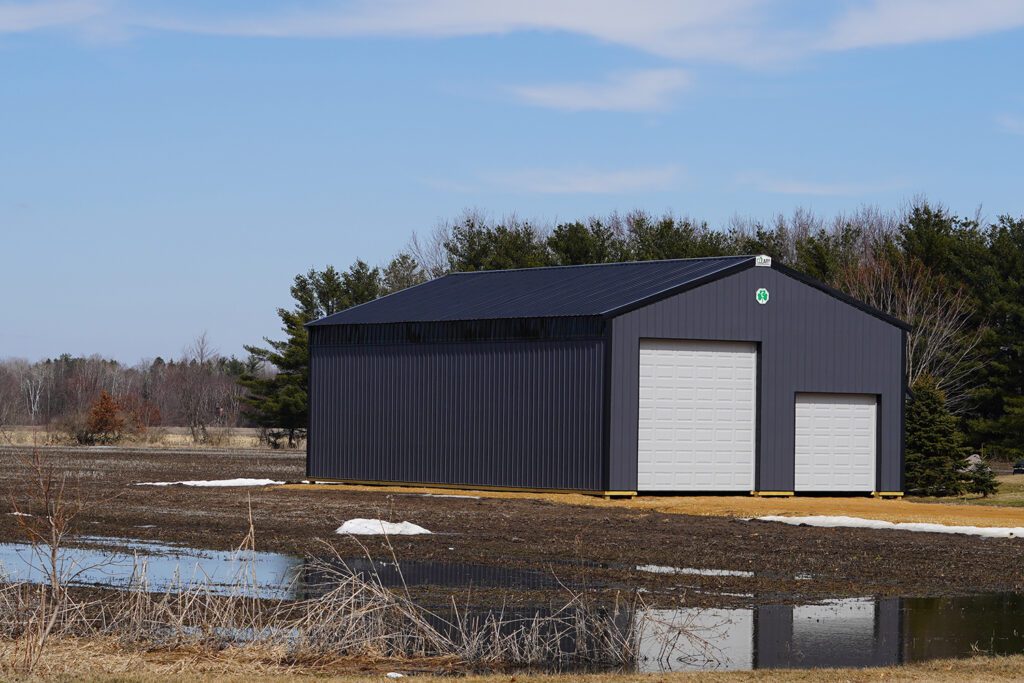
837	633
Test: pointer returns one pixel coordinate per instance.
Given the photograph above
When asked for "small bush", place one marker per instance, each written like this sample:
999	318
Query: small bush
979	478
73	428
105	422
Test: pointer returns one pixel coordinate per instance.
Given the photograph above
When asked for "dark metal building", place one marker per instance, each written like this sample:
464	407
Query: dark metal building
719	374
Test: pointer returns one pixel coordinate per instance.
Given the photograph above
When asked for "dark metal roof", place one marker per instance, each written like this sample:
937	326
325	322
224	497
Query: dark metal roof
605	289
534	292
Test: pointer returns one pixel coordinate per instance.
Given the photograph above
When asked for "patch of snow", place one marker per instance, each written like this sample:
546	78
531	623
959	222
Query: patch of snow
374	527
214	482
448	495
861	523
657	569
394	674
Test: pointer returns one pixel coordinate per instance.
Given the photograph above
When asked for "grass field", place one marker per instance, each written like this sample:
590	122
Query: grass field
1011	494
157	437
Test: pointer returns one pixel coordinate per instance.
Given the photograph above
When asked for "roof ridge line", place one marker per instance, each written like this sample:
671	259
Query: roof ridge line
601	265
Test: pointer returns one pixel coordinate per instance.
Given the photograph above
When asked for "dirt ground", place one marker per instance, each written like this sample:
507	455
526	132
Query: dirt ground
898	510
575	539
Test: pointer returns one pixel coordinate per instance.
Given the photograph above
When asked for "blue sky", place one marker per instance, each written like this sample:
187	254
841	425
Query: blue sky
166	168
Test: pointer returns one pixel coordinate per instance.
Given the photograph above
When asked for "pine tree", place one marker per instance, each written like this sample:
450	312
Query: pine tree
935	461
981	479
105	422
279	403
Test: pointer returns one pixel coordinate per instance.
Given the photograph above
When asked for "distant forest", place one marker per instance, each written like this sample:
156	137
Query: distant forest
958	280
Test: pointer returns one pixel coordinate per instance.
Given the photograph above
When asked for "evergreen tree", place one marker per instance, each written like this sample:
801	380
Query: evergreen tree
935	461
105	423
668	238
577	244
981	479
824	254
474	245
279	403
402	272
997	420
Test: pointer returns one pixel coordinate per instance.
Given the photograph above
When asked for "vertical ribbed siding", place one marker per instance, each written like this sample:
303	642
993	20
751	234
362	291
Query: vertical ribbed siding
809	342
513	414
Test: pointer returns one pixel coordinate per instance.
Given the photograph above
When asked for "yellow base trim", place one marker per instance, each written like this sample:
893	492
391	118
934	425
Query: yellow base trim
469	487
771	494
887	494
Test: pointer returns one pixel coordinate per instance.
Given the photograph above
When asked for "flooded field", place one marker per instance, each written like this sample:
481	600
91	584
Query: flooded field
848	632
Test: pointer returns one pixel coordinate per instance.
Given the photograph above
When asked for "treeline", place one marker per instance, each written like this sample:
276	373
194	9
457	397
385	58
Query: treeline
199	390
958	280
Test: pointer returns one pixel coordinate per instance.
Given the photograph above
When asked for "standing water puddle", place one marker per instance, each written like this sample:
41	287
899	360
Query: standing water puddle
852	632
839	633
116	562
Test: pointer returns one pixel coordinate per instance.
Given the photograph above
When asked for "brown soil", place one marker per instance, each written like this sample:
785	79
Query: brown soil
583	541
892	510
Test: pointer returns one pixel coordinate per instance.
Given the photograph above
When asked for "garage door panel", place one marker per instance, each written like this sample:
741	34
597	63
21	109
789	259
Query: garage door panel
835	440
705	392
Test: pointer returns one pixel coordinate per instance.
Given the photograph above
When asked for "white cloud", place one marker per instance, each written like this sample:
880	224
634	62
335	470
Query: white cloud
901	22
725	30
646	90
765	182
16	17
1011	124
751	33
588	180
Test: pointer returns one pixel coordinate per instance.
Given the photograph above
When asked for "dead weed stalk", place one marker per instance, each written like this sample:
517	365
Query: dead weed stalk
339	615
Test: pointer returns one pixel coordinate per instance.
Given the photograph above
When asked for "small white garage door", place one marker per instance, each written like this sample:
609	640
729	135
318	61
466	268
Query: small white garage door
697	415
835	442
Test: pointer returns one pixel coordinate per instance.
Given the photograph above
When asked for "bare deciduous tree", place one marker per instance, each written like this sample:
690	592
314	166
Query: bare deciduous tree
943	342
33	379
429	251
194	387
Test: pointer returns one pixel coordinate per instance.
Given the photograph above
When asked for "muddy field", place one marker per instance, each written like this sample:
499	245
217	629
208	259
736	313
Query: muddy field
582	546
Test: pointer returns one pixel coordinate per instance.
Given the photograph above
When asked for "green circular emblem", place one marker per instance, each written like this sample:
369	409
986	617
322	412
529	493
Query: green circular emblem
761	295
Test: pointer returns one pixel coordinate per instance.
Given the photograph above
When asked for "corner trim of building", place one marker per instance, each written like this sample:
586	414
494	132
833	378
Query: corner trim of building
470	487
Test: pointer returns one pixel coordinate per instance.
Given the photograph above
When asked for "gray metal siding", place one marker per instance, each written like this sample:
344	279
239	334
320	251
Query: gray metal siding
809	342
511	413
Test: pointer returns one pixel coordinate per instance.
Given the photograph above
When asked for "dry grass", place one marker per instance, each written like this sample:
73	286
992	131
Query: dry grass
105	659
158	437
749	506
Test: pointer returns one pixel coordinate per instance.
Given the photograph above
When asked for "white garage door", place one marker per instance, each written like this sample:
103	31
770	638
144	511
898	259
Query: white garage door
697	415
835	442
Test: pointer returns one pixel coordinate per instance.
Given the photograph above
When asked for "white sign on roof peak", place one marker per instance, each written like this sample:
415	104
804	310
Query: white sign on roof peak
762	260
